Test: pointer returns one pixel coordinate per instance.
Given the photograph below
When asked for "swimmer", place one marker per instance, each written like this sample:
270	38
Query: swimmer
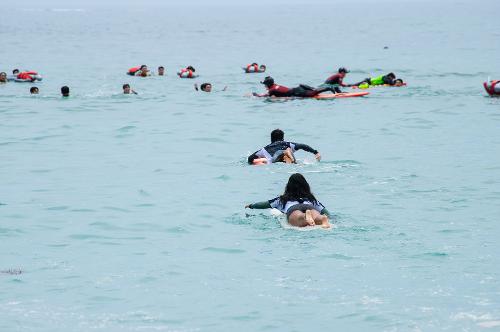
303	91
34	90
302	209
206	87
187	72
127	90
15	72
3	77
336	80
255	68
142	71
389	79
65	91
161	71
280	150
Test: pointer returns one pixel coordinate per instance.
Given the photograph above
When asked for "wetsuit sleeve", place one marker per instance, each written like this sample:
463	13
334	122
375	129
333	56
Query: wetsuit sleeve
305	147
326	213
260	205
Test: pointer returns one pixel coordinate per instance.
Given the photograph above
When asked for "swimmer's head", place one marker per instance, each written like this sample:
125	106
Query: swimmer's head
15	72
191	68
3	77
277	135
398	82
126	88
254	64
268	81
343	71
65	91
207	87
296	188
262	68
161	71
34	90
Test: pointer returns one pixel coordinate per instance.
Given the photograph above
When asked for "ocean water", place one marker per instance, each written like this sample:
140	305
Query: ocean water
125	213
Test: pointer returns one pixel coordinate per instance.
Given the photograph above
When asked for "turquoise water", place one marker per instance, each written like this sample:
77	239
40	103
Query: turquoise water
125	213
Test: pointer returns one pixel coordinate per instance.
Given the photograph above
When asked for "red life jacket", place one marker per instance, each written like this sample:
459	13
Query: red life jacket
27	75
133	70
185	70
491	90
255	68
279	91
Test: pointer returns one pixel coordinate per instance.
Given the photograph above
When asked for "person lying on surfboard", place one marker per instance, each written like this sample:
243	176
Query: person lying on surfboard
302	209
275	90
279	151
389	79
336	80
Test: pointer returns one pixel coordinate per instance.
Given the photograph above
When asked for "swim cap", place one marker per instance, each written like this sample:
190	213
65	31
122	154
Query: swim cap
268	81
343	70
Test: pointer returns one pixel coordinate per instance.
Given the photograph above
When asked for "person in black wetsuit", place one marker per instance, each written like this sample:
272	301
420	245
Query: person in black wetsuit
280	150
275	90
336	81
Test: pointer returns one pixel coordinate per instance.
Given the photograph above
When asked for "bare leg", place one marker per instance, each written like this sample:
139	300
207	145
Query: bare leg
320	219
299	219
288	157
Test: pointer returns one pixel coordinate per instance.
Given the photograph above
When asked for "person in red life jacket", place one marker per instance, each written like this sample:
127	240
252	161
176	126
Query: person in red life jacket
302	91
142	71
335	81
28	76
187	72
161	71
255	68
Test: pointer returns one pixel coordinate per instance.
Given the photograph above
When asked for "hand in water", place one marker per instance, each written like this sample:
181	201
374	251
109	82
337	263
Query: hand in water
318	156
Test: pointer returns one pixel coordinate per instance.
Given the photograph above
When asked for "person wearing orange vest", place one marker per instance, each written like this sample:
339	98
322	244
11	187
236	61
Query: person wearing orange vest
187	72
254	68
139	71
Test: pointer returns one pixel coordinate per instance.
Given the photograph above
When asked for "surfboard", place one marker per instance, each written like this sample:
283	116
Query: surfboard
341	95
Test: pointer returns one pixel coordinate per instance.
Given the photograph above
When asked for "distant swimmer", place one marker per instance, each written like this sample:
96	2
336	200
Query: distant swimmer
188	72
492	87
206	87
34	90
389	79
3	77
142	71
275	90
254	68
336	80
127	90
279	151
65	91
28	76
161	71
302	209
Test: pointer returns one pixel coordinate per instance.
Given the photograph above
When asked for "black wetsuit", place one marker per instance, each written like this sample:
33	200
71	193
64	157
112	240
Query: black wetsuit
274	151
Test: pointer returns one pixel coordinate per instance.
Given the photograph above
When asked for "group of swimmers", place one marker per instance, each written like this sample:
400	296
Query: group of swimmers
297	202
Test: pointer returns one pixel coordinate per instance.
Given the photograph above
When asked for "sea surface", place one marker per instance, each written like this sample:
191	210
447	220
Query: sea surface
126	212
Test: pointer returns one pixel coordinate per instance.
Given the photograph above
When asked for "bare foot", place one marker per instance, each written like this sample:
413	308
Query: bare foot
326	224
309	218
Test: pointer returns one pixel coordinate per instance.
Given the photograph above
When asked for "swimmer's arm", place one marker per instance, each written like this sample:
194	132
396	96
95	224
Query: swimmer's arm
196	86
260	95
305	147
259	205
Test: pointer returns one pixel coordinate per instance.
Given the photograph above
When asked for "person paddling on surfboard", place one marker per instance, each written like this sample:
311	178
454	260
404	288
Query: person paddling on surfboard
279	151
275	90
389	79
302	209
336	80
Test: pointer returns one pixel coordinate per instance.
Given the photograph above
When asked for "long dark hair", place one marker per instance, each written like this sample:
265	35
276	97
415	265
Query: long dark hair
297	189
